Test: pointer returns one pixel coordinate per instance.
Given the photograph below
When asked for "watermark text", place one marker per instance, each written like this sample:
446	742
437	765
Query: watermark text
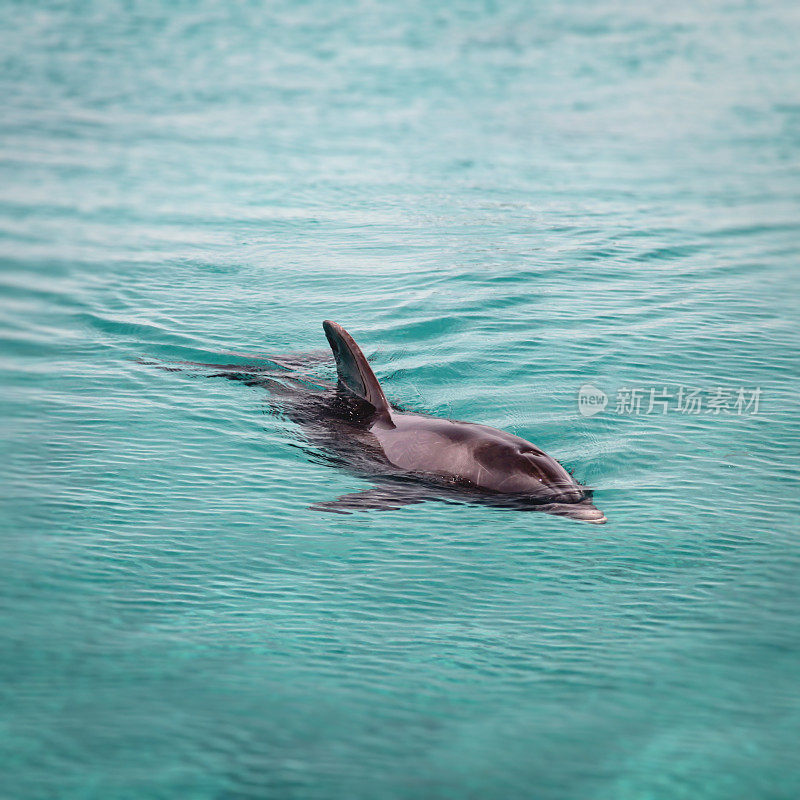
649	400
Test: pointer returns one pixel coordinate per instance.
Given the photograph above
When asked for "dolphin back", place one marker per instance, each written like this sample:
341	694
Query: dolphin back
353	368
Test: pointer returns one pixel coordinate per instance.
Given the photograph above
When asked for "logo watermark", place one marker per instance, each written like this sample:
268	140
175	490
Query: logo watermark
591	400
633	401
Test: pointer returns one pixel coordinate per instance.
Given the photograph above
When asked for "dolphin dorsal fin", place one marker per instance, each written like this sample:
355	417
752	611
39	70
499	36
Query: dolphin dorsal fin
354	370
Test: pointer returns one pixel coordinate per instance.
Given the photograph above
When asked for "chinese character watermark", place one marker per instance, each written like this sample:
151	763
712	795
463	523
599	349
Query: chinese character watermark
657	400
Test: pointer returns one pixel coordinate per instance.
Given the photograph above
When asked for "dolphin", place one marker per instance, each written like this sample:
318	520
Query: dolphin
478	461
408	457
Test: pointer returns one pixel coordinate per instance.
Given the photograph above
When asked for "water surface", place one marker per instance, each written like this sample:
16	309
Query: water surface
502	202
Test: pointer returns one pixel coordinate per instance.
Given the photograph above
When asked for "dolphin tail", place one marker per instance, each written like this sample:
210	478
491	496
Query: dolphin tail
353	368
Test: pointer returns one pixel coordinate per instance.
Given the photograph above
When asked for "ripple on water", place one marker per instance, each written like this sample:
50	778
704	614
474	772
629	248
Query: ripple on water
502	205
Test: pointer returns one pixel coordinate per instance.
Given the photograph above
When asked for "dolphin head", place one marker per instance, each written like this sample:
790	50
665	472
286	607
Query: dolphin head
531	479
549	478
524	470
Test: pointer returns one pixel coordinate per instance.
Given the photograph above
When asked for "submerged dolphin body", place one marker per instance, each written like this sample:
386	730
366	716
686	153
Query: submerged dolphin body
483	463
409	457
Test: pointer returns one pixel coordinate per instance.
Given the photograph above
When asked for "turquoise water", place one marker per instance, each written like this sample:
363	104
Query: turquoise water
502	202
